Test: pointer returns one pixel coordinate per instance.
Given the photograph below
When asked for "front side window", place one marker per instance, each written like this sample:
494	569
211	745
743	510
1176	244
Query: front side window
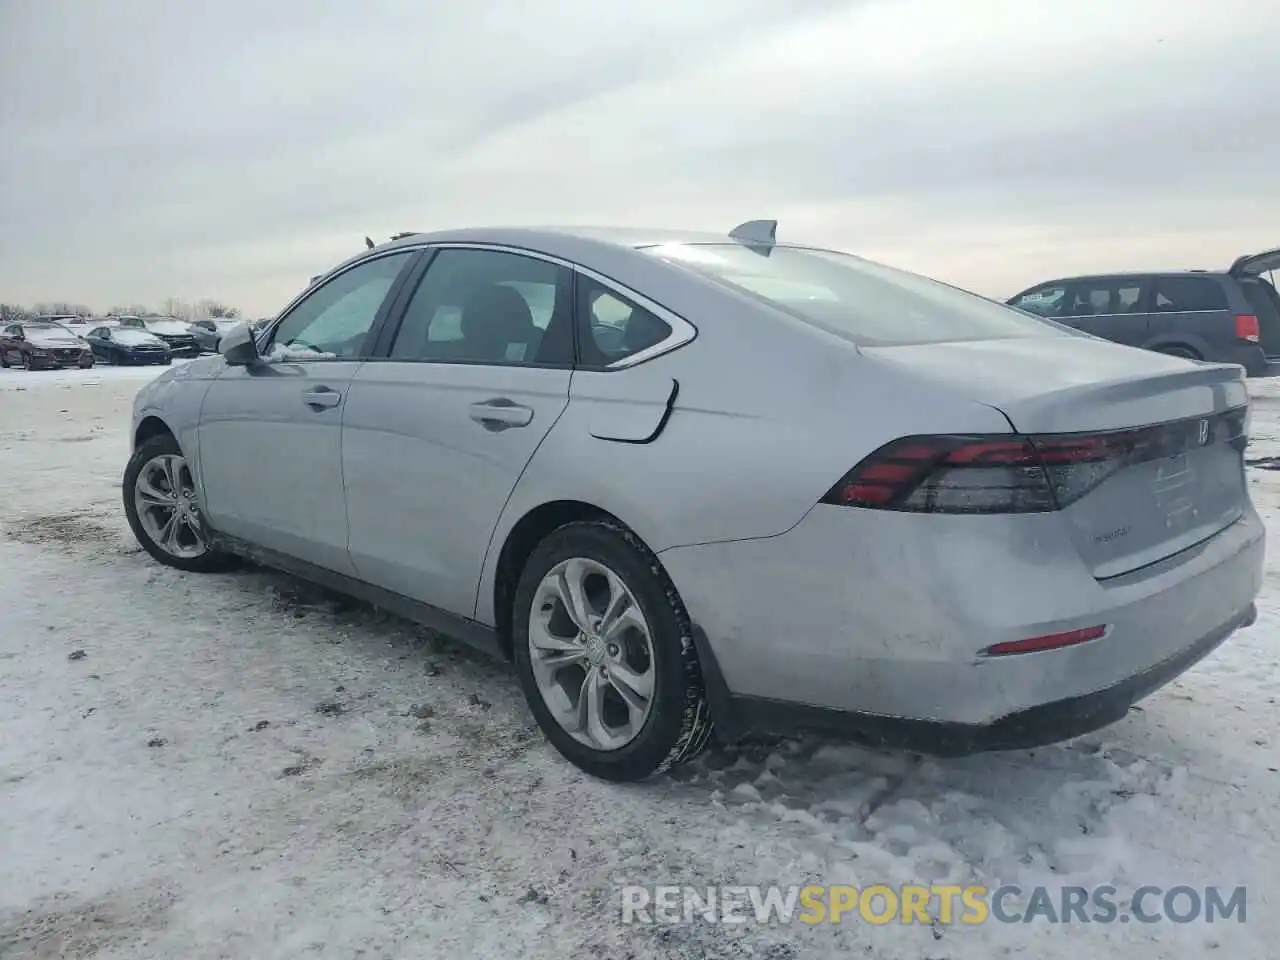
334	321
488	306
1189	295
1043	301
861	301
613	328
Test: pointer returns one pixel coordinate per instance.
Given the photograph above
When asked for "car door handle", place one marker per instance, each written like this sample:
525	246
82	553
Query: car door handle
321	398
501	413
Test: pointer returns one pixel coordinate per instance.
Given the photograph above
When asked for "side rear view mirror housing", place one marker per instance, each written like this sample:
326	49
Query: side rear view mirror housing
238	347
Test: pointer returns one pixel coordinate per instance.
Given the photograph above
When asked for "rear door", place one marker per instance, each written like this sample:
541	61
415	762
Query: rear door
270	441
441	425
1114	308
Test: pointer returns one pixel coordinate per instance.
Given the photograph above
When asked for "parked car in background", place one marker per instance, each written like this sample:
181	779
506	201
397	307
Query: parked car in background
176	334
63	319
42	344
208	333
124	345
937	523
78	326
1226	316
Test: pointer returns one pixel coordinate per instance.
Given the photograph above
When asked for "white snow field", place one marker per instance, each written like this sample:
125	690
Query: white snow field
239	766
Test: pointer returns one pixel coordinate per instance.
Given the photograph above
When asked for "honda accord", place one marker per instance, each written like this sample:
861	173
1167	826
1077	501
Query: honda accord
685	480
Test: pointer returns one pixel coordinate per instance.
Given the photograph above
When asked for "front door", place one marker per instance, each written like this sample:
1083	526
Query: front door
270	436
436	434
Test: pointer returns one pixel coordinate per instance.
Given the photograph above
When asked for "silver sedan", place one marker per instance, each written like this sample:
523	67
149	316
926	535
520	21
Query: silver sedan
682	479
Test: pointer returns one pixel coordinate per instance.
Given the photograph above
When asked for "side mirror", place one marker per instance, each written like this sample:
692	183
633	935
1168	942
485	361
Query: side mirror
238	346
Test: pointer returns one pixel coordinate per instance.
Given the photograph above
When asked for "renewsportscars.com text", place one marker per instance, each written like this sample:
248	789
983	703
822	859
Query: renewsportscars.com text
882	904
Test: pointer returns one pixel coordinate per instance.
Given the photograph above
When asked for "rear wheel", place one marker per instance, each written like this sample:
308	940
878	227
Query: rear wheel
4	359
1178	351
162	509
605	653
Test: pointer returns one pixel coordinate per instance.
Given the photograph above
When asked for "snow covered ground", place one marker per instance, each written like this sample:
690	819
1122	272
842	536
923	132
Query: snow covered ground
238	766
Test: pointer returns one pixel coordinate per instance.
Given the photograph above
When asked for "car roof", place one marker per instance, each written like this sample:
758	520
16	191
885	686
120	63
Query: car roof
1128	275
549	239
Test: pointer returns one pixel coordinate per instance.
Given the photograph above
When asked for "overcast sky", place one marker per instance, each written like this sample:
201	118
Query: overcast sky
157	148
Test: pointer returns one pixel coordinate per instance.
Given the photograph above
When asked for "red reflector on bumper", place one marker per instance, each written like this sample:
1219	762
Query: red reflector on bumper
1052	641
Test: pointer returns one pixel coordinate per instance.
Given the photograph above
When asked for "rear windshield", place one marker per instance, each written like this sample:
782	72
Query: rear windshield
864	302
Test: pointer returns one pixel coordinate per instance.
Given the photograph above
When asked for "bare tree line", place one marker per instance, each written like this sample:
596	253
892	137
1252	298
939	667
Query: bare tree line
172	307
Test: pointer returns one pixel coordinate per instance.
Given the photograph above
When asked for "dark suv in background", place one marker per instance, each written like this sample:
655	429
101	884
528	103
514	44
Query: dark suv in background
1230	316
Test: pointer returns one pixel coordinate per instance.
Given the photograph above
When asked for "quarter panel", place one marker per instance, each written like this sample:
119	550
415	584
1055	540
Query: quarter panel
752	443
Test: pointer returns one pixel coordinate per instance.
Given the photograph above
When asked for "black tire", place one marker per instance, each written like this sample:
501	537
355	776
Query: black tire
4	359
1186	353
26	362
212	560
166	361
679	724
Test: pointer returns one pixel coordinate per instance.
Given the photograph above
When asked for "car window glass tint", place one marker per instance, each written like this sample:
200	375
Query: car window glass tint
334	320
1186	294
1044	301
614	327
1091	298
487	306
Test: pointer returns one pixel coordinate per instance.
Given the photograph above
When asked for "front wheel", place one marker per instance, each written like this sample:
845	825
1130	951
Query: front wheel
162	509
605	653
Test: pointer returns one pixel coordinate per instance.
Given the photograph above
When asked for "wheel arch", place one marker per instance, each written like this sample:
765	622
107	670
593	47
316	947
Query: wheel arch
521	540
1178	341
151	426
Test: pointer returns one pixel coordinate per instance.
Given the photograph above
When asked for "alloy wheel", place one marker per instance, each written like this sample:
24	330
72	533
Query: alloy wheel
165	498
591	651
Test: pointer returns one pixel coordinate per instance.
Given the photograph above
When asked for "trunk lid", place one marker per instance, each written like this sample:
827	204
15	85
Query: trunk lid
1256	264
1173	475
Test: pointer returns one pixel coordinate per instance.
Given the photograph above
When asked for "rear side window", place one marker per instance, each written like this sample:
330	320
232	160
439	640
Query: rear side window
1188	294
1105	297
613	328
488	306
856	299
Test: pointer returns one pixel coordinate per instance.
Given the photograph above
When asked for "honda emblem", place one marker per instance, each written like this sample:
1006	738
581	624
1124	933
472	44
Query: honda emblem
1204	432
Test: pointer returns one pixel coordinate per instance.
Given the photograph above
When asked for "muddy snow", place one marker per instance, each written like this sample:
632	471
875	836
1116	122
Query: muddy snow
242	766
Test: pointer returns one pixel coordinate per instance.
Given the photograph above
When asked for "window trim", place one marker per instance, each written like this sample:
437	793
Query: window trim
682	331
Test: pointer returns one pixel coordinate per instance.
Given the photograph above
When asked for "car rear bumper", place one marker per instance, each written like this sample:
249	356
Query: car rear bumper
870	616
1032	727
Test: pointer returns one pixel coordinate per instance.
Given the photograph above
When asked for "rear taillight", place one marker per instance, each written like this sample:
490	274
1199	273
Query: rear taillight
1012	473
948	475
1247	327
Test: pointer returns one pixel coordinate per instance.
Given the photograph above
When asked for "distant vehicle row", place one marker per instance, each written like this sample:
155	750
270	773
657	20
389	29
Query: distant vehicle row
55	341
